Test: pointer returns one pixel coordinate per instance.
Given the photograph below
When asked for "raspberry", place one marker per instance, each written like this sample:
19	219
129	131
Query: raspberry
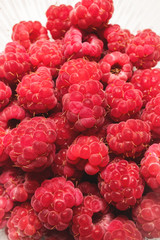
24	224
88	153
150	167
77	45
91	14
123	99
5	94
77	71
91	219
12	115
147	215
31	144
61	166
122	228
26	33
14	63
151	114
115	65
53	202
148	81
36	92
58	21
3	155
85	104
117	38
120	184
144	49
128	138
46	53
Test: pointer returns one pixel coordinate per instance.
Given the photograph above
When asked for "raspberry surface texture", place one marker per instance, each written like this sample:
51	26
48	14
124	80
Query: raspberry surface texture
5	95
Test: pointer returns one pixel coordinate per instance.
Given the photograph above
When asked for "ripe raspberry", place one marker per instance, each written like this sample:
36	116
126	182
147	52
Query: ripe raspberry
115	65
144	49
150	167
36	92
151	114
148	81
91	219
12	115
61	166
88	153
122	228
4	158
24	224
77	71
46	53
58	21
78	45
147	215
14	63
124	101
31	144
128	138
5	94
120	184
26	33
91	14
85	104
53	202
117	38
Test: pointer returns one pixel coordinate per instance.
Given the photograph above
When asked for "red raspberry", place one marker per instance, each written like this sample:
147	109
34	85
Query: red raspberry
128	138
88	153
91	219
6	204
3	155
28	32
122	228
46	53
147	215
150	167
14	63
5	94
85	104
12	115
77	45
144	49
77	71
148	81
24	224
151	114
31	144
88	14
53	202
124	101
115	65
120	184
58	21
117	38
36	92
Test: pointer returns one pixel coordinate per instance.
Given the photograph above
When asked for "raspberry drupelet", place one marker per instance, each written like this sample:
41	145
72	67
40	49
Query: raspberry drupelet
88	153
144	49
120	184
53	202
150	167
85	104
24	224
123	100
36	91
5	95
58	21
91	14
146	215
31	144
27	32
128	138
115	65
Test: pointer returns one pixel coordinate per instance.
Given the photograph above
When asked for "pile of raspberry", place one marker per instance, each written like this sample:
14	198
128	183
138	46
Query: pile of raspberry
80	128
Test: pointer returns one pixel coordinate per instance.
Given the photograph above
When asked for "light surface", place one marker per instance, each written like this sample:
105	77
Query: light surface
132	14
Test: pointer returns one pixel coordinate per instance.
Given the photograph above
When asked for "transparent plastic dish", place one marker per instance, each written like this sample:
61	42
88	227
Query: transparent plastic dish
130	14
